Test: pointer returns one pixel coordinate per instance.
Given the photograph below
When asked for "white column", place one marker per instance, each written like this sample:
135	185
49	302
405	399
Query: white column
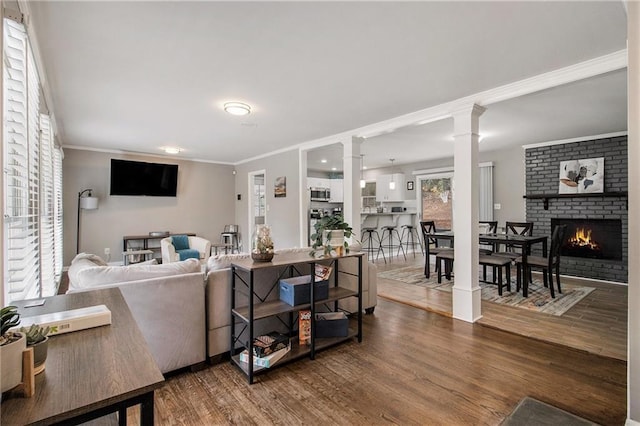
466	291
351	184
633	93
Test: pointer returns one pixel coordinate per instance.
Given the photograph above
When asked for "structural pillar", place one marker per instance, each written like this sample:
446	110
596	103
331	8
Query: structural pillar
466	290
351	184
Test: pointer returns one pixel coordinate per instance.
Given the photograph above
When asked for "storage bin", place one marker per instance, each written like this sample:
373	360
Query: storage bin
296	290
332	324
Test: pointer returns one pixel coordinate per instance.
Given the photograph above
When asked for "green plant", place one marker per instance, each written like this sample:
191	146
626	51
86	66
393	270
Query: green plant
9	317
330	223
35	333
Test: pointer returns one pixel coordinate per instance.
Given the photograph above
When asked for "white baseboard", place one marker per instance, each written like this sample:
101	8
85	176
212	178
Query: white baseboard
630	422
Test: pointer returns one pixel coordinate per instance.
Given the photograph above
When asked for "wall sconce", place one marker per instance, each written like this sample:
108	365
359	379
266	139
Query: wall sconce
84	203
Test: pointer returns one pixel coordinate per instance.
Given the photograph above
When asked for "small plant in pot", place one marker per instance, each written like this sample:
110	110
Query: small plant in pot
37	339
330	233
12	344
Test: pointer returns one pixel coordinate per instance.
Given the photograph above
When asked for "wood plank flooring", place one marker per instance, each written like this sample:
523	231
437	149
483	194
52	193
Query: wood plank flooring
413	367
597	324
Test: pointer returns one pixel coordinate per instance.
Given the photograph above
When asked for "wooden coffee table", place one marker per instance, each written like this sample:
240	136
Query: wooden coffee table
89	373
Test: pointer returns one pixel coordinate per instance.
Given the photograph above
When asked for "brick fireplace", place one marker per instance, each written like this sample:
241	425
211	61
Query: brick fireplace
600	219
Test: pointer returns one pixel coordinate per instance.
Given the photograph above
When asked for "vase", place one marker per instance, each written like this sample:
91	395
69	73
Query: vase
40	350
262	257
334	240
11	358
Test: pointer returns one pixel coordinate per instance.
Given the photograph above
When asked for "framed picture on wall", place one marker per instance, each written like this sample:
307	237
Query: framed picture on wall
280	187
410	185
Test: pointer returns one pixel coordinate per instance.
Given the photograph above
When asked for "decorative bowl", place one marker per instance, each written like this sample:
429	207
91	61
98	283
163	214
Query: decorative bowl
262	257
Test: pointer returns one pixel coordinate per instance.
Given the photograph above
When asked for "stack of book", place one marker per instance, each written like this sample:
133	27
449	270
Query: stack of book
268	349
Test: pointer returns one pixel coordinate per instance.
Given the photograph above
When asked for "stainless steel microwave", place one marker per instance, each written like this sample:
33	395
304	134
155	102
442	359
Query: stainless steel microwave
320	194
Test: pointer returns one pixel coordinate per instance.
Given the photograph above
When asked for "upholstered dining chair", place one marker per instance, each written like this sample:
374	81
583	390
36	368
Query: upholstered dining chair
181	247
431	246
548	264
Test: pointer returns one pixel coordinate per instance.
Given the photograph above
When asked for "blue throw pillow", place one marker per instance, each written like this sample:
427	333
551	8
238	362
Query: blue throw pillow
188	254
180	242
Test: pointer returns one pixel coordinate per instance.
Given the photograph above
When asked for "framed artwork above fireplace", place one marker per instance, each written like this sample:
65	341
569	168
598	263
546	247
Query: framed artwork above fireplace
581	176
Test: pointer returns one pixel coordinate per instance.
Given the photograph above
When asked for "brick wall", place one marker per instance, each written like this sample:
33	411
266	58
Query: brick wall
542	165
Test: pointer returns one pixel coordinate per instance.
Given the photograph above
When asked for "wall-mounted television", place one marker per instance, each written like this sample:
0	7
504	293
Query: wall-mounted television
140	178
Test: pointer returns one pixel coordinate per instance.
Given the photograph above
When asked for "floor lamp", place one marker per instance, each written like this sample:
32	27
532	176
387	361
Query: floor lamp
85	203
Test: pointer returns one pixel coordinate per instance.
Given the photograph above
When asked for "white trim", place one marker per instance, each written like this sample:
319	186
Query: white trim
579	139
269	154
445	169
630	422
143	154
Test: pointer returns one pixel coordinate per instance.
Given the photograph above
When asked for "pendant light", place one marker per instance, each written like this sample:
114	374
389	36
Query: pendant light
392	184
362	182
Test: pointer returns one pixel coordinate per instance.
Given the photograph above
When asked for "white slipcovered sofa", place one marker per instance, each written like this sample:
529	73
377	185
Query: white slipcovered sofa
167	302
219	295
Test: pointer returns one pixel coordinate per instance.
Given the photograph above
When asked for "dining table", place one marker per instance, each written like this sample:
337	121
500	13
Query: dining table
523	242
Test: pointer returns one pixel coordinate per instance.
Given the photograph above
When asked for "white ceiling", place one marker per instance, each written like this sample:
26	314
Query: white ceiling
137	76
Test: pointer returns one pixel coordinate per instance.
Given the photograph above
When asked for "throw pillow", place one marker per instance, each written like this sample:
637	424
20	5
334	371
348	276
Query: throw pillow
180	242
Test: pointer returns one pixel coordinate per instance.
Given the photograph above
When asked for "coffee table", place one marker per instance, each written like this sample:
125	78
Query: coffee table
89	373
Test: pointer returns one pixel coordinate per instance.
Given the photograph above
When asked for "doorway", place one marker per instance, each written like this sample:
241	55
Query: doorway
257	199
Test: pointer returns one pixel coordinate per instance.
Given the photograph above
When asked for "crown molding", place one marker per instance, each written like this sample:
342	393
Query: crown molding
143	154
579	139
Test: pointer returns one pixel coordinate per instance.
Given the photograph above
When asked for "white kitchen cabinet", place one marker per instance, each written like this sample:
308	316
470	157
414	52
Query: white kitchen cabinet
314	182
384	193
337	191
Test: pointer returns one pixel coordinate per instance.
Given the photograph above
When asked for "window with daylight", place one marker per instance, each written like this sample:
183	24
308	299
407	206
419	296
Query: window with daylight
32	258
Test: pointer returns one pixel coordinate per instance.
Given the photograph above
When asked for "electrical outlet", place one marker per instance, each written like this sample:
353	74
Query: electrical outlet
107	251
497	206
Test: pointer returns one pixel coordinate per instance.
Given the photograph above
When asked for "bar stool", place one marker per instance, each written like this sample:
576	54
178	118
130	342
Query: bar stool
230	237
407	239
371	242
388	231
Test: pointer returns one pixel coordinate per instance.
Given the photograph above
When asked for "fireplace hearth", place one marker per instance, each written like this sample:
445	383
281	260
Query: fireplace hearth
591	238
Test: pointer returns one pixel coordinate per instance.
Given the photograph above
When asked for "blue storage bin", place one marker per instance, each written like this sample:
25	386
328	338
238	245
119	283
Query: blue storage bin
296	290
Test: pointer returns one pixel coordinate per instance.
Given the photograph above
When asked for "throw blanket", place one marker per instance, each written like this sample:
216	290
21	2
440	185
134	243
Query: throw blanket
188	254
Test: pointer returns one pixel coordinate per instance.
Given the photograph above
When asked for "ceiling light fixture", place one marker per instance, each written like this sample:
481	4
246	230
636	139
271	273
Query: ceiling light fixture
362	182
392	184
237	108
324	160
172	150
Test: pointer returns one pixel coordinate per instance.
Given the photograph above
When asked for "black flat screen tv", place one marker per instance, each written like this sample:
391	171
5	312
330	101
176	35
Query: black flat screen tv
139	178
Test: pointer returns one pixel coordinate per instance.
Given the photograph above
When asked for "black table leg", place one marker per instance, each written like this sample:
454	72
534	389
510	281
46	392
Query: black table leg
146	410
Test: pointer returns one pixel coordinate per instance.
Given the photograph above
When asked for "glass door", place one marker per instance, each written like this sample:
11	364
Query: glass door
435	198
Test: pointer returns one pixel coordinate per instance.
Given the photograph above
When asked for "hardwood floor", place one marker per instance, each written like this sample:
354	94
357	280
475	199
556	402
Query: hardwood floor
597	324
413	367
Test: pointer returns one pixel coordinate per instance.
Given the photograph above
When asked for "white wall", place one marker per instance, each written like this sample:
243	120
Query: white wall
508	179
203	205
282	213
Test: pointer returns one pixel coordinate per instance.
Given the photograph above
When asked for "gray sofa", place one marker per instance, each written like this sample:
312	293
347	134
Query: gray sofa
218	291
167	302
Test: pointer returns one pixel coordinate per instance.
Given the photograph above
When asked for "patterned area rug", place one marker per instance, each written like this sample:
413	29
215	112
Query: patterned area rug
539	299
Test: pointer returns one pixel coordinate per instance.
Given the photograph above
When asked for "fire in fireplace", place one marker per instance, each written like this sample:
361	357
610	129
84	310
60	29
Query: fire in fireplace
591	238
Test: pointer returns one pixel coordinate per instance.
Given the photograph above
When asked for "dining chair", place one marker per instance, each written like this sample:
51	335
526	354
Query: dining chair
487	227
431	245
548	264
515	228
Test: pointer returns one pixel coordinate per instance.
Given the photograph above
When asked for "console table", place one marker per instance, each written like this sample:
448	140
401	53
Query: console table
89	373
141	242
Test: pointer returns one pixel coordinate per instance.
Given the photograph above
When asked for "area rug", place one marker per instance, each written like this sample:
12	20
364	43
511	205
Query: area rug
530	411
539	299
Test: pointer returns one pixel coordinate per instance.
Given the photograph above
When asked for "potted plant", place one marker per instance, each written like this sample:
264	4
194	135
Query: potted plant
37	339
330	232
262	250
12	344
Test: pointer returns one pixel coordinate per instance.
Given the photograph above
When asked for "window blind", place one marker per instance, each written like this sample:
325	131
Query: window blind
33	178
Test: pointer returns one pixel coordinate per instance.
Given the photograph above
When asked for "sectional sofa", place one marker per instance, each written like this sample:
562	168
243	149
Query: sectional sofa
183	308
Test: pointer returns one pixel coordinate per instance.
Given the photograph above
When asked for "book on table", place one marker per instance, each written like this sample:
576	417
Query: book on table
266	361
322	272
